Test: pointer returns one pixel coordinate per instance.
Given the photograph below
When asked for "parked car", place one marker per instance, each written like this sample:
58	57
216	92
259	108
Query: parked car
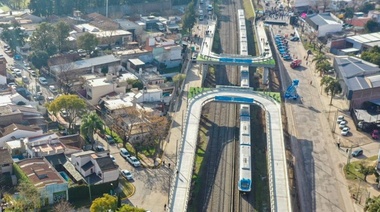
345	131
124	153
18	72
33	73
287	57
375	134
63	113
100	149
294	39
339	119
357	152
134	161
127	174
342	124
109	139
25	79
42	81
113	158
53	89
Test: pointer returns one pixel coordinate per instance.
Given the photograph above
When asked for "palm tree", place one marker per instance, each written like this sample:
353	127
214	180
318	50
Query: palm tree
333	86
323	67
319	59
90	123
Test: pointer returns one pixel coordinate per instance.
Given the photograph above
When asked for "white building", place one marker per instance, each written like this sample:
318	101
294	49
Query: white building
324	23
149	95
100	168
16	131
98	87
364	41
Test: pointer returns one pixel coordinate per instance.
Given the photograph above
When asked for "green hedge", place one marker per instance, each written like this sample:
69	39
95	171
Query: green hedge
81	192
19	173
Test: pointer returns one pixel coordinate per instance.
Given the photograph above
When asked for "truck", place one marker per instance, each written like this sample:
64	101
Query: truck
295	63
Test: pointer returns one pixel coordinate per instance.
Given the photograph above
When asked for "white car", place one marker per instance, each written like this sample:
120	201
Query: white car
127	174
113	158
53	89
345	131
42	81
339	119
18	72
342	124
134	161
63	113
124	153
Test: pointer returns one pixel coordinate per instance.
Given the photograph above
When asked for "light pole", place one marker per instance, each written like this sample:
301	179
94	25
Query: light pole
111	191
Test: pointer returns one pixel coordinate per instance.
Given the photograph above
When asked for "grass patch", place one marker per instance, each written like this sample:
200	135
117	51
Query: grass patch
275	95
195	91
127	188
4	7
351	171
248	9
147	150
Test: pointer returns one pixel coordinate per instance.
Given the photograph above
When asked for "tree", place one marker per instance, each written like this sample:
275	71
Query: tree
189	19
366	170
43	39
39	58
372	26
104	70
319	58
105	203
66	77
332	86
366	7
72	104
372	56
179	78
323	67
87	42
63	206
90	123
349	12
27	200
13	35
130	208
136	83
61	33
372	204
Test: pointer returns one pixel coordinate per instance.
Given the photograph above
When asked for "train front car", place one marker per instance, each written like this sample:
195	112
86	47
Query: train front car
245	178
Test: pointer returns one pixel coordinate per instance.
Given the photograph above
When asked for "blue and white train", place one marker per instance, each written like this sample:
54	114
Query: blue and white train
245	167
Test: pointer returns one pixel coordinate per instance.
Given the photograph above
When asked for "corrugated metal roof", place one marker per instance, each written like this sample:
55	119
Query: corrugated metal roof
354	72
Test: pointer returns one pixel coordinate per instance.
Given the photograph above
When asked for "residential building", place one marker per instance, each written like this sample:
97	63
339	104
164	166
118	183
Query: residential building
165	51
20	114
149	95
16	148
105	37
97	168
324	23
43	146
6	162
360	80
52	187
63	166
102	22
16	131
92	65
99	87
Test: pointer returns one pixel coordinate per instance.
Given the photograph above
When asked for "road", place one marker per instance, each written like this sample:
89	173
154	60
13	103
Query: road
321	185
151	185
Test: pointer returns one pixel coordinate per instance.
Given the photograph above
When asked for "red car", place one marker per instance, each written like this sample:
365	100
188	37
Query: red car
375	134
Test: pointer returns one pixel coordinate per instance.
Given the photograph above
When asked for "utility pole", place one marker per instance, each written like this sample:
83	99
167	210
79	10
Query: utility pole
89	188
107	8
349	155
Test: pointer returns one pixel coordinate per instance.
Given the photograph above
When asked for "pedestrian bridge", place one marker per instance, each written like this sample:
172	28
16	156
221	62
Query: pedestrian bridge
238	60
277	166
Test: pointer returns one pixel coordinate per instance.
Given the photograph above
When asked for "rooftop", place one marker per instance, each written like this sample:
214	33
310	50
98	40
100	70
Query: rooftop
322	19
88	63
14	127
40	172
106	163
365	38
5	157
357	73
83	154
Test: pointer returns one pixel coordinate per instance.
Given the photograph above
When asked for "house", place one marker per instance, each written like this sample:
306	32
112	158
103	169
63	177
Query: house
324	23
51	185
87	66
16	148
97	168
63	166
3	70
102	22
149	95
98	87
360	79
165	51
44	145
16	131
6	162
105	37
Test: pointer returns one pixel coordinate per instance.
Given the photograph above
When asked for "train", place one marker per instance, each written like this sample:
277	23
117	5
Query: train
245	167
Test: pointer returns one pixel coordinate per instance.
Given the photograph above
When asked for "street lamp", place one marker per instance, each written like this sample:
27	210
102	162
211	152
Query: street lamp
111	191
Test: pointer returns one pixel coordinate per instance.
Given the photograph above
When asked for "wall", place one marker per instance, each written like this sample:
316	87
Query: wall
6	120
358	97
110	176
152	96
53	192
322	30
